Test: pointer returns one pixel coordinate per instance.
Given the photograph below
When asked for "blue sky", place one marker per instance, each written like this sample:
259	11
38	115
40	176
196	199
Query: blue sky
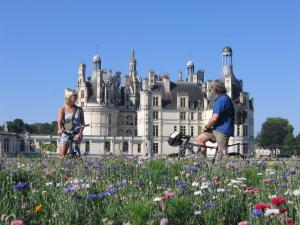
43	42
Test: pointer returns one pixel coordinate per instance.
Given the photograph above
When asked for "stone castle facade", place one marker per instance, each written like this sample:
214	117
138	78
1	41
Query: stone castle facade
138	116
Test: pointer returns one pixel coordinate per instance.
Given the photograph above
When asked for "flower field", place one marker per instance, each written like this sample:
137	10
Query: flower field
118	190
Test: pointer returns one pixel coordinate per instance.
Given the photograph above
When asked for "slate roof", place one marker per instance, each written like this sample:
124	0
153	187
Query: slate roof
169	101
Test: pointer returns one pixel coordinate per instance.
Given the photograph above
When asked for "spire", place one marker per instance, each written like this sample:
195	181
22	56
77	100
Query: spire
132	58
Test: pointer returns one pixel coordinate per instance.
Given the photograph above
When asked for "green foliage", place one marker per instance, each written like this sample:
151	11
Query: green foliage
48	147
48	179
18	126
276	132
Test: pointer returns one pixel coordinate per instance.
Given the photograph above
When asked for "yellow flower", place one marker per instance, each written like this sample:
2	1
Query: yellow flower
38	207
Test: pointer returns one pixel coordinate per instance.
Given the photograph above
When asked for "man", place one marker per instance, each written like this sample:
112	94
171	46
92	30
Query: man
221	125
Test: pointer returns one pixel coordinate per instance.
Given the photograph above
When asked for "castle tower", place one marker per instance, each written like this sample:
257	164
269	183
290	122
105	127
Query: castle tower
144	120
134	79
97	79
189	71
81	85
227	71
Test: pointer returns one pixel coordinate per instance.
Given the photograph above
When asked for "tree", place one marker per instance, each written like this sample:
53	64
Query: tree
276	132
297	144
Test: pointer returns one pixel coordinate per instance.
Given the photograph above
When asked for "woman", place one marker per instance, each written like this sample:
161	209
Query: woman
72	113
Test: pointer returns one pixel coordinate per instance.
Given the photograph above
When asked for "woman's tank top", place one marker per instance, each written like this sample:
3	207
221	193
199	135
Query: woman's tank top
76	122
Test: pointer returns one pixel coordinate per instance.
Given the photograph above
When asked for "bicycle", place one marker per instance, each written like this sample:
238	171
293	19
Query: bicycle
176	139
74	150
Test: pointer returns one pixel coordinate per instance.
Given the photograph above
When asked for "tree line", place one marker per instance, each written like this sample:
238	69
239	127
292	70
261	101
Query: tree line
18	126
275	133
278	133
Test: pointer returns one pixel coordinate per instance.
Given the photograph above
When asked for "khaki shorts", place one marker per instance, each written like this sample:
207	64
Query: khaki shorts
221	139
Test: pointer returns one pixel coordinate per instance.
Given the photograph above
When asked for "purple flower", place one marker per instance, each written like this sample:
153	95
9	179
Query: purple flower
293	172
91	196
256	213
209	205
20	186
102	195
1	190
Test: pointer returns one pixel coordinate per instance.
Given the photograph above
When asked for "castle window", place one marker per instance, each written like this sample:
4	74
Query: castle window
125	146
87	146
82	104
155	101
199	130
107	146
182	129
82	94
192	116
155	130
139	148
182	115
192	131
238	131
155	115
199	116
182	102
155	148
175	128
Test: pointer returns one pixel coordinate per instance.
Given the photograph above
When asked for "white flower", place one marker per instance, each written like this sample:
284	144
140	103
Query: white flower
195	184
221	190
241	178
235	181
296	192
157	199
49	183
197	193
272	196
270	212
198	212
259	174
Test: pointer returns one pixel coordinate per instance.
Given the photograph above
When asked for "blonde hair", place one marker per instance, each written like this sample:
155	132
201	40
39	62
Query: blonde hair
68	94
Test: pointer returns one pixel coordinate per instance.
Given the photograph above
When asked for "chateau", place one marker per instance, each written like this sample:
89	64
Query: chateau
138	116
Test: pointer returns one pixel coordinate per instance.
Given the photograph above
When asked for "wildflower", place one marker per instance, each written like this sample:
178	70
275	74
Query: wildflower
289	221
164	221
1	190
2	218
270	212
198	212
243	223
256	213
283	210
38	207
157	199
209	205
293	172
169	194
16	222
296	192
197	193
127	223
261	206
20	186
278	201
221	190
92	196
195	184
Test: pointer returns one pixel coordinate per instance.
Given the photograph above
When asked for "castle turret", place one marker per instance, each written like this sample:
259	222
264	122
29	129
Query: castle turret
81	85
227	71
189	71
144	119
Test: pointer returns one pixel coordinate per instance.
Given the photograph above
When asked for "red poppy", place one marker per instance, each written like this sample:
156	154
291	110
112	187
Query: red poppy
289	221
278	201
283	210
261	206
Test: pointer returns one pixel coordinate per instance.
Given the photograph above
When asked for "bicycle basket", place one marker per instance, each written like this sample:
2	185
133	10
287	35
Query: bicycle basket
68	125
175	139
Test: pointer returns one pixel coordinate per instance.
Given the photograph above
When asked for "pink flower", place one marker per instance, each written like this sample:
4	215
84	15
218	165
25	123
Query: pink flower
16	222
164	221
169	194
243	223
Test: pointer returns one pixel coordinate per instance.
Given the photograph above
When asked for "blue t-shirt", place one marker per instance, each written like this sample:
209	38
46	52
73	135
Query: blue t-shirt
224	108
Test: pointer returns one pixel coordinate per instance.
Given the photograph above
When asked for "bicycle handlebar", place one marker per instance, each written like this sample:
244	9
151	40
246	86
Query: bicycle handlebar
73	131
